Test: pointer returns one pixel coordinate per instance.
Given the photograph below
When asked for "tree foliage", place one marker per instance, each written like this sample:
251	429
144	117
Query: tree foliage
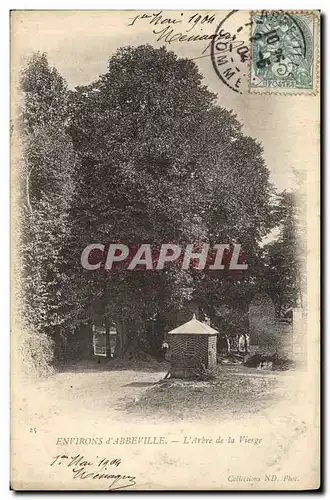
143	154
284	257
46	175
161	163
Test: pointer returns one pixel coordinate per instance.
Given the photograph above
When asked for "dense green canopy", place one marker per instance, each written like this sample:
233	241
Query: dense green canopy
143	154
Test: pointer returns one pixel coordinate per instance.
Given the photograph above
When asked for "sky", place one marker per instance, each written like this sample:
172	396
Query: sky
79	44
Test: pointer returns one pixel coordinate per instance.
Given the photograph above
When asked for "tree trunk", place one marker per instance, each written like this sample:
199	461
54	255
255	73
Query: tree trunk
246	351
28	202
121	338
128	338
89	339
228	344
107	338
59	354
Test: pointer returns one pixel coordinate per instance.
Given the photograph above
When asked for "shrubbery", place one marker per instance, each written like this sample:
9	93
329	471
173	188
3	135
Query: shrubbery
36	354
204	373
277	362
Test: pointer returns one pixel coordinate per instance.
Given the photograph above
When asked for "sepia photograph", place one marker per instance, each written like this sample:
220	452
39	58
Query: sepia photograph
165	250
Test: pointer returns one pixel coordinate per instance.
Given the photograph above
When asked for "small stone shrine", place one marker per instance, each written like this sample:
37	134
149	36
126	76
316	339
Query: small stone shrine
190	345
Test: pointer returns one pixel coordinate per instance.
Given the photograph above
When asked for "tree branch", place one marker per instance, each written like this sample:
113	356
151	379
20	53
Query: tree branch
28	202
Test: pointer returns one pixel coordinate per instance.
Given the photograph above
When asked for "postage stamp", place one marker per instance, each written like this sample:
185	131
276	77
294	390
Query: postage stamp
284	52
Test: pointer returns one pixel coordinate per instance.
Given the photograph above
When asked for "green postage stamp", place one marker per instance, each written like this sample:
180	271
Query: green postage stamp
284	52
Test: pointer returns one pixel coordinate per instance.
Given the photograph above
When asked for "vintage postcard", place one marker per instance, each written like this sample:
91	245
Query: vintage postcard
165	172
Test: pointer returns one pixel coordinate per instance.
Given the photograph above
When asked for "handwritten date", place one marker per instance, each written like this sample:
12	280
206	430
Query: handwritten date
82	468
158	18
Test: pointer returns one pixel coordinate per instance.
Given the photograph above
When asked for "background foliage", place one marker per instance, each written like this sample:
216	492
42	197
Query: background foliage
143	154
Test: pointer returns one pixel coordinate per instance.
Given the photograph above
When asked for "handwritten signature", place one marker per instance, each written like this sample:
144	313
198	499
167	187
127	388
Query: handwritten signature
165	28
86	469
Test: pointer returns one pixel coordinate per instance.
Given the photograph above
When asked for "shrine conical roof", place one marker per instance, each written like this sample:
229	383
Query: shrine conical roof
194	327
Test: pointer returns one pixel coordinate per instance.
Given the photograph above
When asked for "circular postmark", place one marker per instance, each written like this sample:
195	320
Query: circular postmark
230	50
264	49
281	50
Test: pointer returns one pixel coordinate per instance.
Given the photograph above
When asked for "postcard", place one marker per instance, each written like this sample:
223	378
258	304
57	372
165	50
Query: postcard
165	175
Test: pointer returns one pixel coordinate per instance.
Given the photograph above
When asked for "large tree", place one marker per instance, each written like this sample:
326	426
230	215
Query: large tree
284	257
161	162
144	154
46	188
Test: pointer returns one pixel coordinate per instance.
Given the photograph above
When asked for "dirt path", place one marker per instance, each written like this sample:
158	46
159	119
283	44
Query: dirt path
82	411
84	390
93	392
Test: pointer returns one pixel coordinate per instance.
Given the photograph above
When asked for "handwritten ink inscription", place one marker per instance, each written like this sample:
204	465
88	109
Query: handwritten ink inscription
101	469
164	28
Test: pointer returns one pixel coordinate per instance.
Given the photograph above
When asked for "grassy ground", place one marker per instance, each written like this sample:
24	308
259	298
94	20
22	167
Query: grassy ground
136	391
101	364
102	400
236	390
